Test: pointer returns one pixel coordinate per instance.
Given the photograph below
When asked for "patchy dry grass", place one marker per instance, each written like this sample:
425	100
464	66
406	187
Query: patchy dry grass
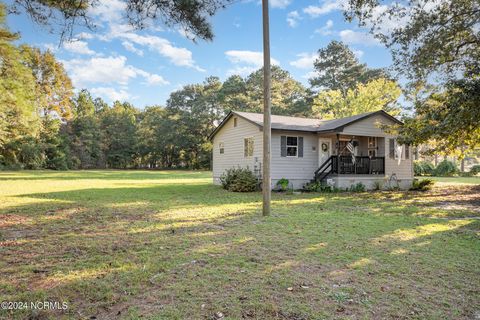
170	245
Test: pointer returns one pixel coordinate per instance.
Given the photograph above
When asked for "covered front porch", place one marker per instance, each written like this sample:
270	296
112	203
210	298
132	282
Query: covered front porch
350	155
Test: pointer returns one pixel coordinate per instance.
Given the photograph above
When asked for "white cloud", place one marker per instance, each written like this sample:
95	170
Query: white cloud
151	79
50	46
279	3
106	70
84	36
130	47
354	37
80	47
111	93
155	79
111	12
178	56
326	7
326	29
310	74
241	71
254	58
108	11
358	53
186	34
292	18
305	60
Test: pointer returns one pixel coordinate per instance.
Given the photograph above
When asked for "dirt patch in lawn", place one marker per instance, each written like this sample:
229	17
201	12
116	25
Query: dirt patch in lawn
456	198
452	201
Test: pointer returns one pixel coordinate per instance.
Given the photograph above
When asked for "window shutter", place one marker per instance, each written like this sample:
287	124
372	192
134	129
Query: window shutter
392	148
407	151
300	147
283	146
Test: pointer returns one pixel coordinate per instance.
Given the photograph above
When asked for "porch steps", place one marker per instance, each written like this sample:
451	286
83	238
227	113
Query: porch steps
324	170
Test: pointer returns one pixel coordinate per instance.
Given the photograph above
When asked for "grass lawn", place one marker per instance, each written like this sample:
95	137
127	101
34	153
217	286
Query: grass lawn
455	180
170	245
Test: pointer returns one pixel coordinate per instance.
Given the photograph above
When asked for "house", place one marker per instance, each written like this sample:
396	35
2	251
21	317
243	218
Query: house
340	152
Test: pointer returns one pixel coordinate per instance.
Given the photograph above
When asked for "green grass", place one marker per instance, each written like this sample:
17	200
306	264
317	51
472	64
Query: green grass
170	245
456	180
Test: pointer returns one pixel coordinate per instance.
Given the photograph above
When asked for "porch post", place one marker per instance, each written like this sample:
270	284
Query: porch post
338	153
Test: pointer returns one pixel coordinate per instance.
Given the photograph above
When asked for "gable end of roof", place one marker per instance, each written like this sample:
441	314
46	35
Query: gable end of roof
225	120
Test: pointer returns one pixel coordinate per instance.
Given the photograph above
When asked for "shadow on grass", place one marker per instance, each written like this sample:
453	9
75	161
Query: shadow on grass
188	251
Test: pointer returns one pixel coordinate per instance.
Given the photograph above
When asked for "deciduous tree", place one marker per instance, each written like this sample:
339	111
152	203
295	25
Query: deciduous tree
379	94
450	117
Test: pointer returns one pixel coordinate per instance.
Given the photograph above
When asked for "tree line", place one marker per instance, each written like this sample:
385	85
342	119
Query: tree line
45	124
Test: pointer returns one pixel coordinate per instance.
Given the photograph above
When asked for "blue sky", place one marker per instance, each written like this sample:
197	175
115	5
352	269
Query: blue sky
143	67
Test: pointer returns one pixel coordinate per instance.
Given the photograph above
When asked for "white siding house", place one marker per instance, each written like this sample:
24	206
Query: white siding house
305	150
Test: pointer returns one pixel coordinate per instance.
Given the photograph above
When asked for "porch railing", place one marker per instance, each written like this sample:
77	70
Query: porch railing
362	165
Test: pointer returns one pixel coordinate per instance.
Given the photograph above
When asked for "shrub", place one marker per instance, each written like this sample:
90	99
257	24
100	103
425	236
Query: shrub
239	180
423	168
475	170
283	184
377	185
311	186
319	187
422	185
445	169
359	187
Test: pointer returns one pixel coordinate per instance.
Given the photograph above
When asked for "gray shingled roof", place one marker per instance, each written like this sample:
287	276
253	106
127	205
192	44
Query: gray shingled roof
301	124
283	122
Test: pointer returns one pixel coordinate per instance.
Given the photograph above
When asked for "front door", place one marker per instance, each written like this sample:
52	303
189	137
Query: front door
324	150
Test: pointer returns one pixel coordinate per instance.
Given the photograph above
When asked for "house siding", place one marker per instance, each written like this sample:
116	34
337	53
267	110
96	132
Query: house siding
297	170
404	170
369	127
233	140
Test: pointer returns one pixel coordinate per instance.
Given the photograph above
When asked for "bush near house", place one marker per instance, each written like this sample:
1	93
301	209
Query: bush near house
423	168
359	187
475	170
282	184
422	185
445	169
319	187
239	180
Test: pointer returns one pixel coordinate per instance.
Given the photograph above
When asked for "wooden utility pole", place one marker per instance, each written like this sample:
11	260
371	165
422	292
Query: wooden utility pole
267	126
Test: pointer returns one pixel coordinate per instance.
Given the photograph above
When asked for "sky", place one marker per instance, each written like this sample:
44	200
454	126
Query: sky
143	67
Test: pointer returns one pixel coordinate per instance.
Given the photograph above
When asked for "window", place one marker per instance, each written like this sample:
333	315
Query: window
234	122
292	146
372	142
221	147
372	153
407	151
391	148
248	147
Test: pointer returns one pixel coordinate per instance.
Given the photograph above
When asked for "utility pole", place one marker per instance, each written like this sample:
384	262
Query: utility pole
267	126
